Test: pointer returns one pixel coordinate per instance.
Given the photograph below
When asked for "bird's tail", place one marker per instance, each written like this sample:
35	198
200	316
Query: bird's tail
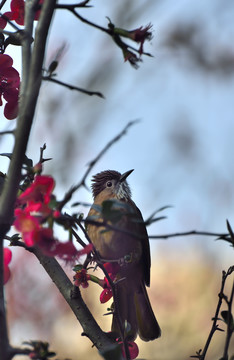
148	327
134	309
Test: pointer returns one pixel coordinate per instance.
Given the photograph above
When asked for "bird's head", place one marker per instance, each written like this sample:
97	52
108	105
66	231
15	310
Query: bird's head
111	184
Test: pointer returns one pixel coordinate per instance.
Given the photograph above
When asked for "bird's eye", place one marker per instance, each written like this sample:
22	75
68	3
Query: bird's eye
109	184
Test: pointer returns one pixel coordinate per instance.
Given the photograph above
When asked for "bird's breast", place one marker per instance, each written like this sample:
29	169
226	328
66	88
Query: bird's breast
120	244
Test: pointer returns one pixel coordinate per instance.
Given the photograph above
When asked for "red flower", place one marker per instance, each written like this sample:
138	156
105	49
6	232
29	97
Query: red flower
81	278
3	20
32	231
39	191
44	239
17	13
106	293
132	347
140	35
66	251
112	268
28	225
7	255
9	86
34	234
86	250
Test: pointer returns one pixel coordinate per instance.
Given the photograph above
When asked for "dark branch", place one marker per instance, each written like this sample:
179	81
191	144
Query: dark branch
230	324
72	296
72	8
187	233
7	132
2	4
82	4
202	354
71	87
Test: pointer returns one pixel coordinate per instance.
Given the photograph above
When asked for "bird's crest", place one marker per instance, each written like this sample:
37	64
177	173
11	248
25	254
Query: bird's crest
99	180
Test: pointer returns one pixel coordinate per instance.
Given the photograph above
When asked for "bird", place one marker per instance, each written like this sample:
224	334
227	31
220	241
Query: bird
129	247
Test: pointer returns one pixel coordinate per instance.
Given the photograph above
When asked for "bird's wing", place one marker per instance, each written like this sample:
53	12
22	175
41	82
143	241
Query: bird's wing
141	230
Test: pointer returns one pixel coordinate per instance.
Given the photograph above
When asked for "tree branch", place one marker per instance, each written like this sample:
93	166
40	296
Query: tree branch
230	324
187	233
71	87
72	296
202	354
72	8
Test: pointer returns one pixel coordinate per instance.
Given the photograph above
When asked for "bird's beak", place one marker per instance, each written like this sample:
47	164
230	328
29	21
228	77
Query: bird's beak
125	175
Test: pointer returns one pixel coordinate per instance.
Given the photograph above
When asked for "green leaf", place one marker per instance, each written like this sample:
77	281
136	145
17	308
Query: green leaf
77	267
112	210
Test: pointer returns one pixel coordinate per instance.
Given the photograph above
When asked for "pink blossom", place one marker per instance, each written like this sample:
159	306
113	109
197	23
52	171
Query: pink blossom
39	191
7	255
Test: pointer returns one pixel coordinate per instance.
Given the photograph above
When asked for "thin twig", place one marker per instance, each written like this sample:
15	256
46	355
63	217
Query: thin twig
81	18
7	132
72	87
2	4
186	233
202	354
115	228
82	4
78	239
111	227
230	324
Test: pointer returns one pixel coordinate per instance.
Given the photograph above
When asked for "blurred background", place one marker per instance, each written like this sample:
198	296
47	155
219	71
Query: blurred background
181	150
